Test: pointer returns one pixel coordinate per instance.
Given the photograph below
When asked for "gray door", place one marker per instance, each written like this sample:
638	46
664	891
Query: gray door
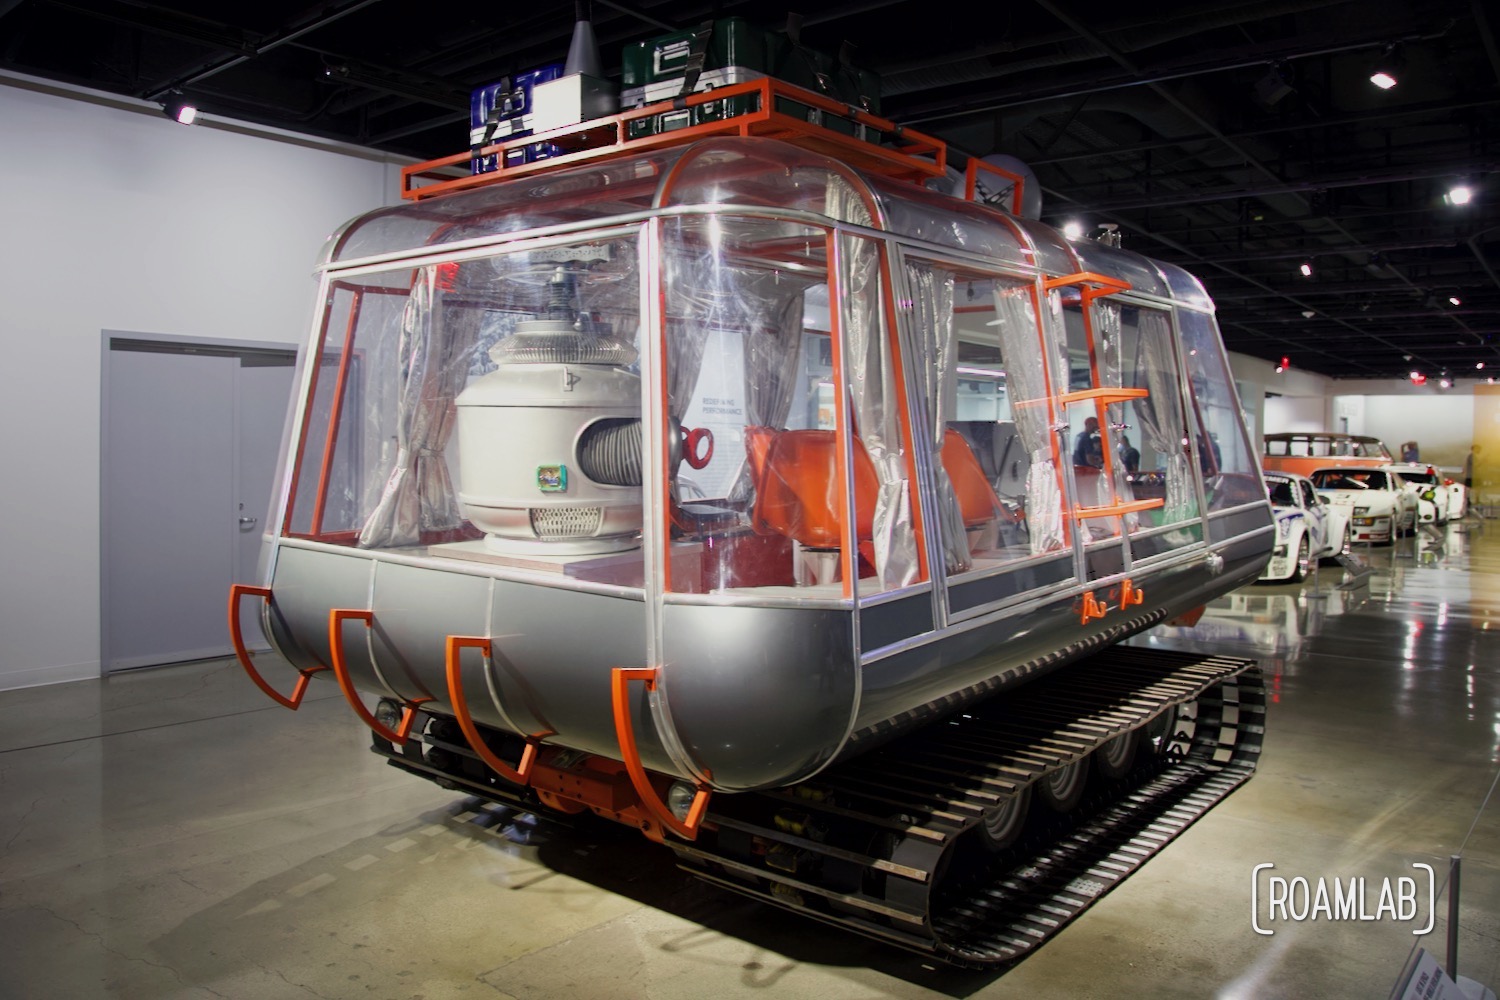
189	446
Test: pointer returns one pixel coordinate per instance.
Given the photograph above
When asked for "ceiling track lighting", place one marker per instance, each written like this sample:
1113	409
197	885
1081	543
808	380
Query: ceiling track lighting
1459	194
1385	70
180	109
1306	269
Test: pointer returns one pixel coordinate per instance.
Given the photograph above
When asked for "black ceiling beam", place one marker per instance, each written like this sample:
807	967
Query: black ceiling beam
1383	116
1391	175
304	25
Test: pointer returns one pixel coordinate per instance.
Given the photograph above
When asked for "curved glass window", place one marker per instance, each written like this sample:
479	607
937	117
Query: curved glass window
570	195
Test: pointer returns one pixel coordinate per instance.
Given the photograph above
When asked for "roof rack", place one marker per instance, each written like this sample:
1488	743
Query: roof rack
764	107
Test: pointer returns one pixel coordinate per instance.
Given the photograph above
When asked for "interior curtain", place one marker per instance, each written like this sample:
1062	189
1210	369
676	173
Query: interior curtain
436	342
872	386
771	364
1026	364
936	349
1161	412
873	393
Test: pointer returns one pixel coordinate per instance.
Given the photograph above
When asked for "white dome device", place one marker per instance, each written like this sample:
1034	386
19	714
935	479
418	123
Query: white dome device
550	451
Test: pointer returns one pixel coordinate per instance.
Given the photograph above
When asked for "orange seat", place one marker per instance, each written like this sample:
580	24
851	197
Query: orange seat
977	502
796	486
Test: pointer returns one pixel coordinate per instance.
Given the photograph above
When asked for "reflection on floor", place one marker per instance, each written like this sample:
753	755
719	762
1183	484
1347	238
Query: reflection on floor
172	833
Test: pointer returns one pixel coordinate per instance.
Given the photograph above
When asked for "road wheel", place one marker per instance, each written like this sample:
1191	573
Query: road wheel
1062	790
1304	560
1003	824
1116	756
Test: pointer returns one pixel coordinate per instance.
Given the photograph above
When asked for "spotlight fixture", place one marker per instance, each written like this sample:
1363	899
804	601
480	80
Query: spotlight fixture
1073	229
1459	194
1285	364
1446	383
180	109
1306	269
1308	314
1454	300
1479	366
1272	88
1383	72
1417	378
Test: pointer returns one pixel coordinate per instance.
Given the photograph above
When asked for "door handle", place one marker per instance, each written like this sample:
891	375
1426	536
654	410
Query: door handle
249	520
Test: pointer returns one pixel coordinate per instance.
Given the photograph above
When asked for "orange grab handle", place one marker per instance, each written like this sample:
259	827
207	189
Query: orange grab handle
690	452
1091	608
336	619
624	730
521	773
237	591
1130	594
1128	507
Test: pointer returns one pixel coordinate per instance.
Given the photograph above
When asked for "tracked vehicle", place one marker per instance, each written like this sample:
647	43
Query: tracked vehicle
738	483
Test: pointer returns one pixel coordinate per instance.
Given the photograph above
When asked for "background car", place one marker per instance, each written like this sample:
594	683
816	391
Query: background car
1434	495
1307	527
1380	507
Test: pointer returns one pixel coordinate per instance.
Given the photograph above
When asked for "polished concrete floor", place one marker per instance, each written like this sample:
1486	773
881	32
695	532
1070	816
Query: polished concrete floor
171	833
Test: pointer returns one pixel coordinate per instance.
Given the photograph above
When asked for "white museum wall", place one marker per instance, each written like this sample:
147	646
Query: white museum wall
117	218
1442	425
1284	414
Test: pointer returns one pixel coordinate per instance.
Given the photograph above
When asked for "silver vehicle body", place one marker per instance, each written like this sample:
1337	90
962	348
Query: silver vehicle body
717	262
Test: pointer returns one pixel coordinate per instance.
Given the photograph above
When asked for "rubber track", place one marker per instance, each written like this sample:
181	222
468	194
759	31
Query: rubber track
877	845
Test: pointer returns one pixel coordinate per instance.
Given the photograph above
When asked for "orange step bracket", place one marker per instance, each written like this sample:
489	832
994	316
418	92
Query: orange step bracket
292	701
687	829
521	773
336	619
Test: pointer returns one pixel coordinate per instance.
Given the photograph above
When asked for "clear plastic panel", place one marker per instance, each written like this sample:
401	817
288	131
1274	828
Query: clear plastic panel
925	215
569	196
487	410
1053	254
1149	434
1092	361
1185	287
749	365
1231	472
769	174
1116	263
876	395
975	339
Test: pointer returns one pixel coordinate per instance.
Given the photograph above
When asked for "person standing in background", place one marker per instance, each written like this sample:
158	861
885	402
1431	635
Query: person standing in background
1089	450
1130	455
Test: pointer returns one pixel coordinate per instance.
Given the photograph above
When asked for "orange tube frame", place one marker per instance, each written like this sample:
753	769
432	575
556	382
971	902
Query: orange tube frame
619	683
292	701
336	619
521	773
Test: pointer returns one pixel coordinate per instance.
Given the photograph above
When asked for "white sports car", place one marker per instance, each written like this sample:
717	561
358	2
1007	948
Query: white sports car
1437	496
1307	527
1379	506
